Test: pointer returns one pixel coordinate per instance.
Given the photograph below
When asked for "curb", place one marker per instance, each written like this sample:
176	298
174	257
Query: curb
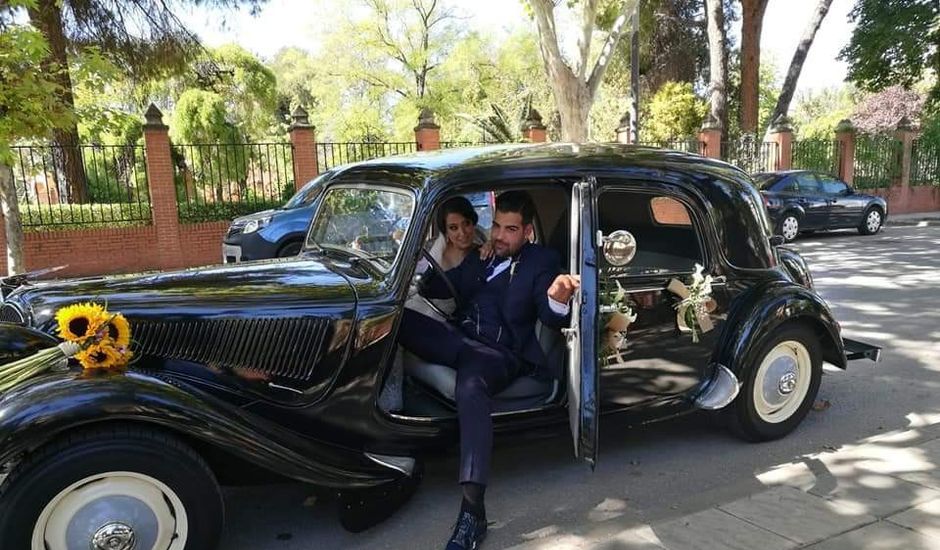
915	222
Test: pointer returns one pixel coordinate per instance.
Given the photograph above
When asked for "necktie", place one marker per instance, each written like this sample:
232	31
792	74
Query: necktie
494	262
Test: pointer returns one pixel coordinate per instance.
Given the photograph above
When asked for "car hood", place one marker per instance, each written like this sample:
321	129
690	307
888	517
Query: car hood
242	220
266	289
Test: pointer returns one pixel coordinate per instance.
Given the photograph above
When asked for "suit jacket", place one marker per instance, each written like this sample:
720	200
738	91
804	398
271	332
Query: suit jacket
525	299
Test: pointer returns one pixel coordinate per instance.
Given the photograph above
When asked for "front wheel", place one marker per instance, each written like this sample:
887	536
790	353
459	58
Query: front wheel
790	227
872	222
781	387
111	488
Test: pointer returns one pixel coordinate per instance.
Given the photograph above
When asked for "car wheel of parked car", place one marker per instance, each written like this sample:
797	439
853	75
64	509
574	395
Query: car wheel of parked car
872	222
290	249
780	388
111	487
790	227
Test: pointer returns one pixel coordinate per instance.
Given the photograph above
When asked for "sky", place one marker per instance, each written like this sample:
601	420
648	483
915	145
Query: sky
301	23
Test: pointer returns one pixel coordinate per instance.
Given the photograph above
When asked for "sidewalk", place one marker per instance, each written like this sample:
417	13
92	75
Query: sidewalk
883	493
921	219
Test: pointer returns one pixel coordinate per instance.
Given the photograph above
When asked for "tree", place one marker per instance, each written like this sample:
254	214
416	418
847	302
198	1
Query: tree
894	42
575	83
799	56
28	108
717	63
674	113
816	114
752	23
880	113
143	36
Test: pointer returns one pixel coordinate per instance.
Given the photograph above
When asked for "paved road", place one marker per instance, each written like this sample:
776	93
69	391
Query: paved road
884	289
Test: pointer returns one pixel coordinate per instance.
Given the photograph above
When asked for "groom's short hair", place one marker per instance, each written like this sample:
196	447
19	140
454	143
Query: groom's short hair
516	201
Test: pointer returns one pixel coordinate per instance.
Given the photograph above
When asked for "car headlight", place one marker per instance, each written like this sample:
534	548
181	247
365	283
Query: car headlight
254	225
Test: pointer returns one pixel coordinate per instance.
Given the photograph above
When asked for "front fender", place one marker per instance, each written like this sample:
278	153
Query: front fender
17	342
764	308
40	409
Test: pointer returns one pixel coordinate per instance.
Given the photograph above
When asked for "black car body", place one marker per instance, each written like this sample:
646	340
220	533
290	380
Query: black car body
282	364
804	201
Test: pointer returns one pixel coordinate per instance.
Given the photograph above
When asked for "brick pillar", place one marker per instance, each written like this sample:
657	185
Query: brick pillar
623	130
845	137
710	136
532	129
905	134
427	133
162	191
303	139
782	135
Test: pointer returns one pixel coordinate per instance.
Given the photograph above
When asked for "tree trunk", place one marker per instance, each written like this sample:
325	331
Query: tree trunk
718	63
799	57
47	18
752	21
11	219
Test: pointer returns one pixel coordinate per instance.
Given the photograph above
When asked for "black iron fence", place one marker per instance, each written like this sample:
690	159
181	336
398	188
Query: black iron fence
336	154
752	156
81	186
691	145
457	144
925	163
819	155
877	161
222	181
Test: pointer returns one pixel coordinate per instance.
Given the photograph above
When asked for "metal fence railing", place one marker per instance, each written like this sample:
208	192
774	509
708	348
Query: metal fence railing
61	187
819	155
222	181
877	161
750	155
691	145
336	154
925	163
457	144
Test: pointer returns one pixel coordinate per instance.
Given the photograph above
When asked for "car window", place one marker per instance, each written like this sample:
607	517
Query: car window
787	185
765	180
807	184
363	220
832	186
666	239
308	192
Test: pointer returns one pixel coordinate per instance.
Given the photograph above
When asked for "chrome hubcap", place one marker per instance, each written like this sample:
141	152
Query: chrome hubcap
790	228
874	221
114	536
782	381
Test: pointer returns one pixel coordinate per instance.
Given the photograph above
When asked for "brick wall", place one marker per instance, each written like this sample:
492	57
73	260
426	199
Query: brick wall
909	199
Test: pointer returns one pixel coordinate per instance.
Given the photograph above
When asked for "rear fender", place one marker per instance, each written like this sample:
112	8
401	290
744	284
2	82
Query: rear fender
766	307
48	406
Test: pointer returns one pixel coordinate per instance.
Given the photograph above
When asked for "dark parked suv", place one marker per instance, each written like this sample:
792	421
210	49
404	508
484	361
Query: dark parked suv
802	201
280	232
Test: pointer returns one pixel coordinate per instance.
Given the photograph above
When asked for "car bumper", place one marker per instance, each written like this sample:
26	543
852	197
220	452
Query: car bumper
243	248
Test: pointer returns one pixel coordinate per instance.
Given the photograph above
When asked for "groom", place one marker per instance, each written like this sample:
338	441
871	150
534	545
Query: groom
492	339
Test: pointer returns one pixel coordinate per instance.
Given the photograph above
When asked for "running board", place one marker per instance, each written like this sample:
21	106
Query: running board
860	350
720	390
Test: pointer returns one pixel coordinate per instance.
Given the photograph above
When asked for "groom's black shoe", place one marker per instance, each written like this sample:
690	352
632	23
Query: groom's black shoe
468	533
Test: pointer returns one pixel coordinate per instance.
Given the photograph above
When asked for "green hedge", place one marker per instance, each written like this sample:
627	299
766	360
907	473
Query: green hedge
51	217
190	212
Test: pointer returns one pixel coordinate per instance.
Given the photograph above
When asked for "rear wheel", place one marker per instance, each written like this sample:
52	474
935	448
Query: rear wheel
111	488
872	222
790	227
780	388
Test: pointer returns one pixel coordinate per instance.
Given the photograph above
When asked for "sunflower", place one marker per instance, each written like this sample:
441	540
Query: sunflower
118	330
79	321
100	356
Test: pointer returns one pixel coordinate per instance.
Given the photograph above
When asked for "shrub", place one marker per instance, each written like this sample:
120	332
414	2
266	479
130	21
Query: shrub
50	217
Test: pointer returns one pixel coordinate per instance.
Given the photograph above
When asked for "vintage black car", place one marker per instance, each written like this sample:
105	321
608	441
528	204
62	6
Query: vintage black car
284	366
801	201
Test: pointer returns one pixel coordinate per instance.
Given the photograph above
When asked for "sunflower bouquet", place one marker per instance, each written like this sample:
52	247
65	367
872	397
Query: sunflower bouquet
95	337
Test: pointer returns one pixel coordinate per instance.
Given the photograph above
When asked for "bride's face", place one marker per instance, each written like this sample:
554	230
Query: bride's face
459	231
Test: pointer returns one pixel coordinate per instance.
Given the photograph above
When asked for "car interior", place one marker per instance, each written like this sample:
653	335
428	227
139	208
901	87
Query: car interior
427	389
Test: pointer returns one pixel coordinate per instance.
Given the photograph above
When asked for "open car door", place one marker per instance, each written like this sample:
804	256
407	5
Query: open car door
582	336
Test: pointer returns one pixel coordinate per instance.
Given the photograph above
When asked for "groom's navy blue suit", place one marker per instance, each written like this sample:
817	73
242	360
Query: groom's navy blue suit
492	341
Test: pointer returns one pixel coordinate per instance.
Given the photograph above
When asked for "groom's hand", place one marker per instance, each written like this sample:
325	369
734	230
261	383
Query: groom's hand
563	287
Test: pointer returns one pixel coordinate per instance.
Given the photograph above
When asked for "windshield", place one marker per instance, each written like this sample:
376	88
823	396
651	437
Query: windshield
369	222
307	193
764	181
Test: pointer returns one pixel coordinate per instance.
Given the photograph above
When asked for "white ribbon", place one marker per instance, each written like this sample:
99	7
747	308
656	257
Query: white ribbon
701	310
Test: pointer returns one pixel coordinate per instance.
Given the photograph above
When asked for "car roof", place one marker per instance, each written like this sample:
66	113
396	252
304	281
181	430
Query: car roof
441	165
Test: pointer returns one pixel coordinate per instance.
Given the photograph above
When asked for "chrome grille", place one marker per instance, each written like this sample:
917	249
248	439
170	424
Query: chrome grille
11	314
283	347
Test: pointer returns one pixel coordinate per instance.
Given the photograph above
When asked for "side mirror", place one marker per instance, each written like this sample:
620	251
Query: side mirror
777	240
619	247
